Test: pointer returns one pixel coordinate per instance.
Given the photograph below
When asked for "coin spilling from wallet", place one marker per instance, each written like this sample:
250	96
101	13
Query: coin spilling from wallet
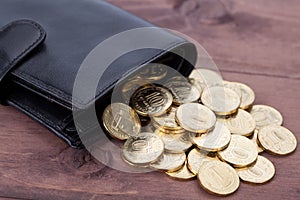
200	127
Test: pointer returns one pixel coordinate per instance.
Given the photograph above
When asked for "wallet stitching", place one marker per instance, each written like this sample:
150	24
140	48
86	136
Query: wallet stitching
13	25
47	123
37	114
60	125
39	83
67	97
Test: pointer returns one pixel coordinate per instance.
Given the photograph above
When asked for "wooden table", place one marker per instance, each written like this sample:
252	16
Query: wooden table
256	42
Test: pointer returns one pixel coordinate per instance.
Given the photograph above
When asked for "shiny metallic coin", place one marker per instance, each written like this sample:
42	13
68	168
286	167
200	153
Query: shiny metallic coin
255	141
265	115
153	71
170	162
196	85
246	93
261	172
143	149
183	91
167	131
277	140
131	86
215	140
175	143
196	158
151	100
241	152
219	178
221	100
241	124
229	85
121	121
167	121
205	77
182	174
195	118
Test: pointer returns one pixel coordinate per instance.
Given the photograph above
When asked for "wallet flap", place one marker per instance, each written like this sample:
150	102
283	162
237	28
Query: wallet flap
74	28
17	40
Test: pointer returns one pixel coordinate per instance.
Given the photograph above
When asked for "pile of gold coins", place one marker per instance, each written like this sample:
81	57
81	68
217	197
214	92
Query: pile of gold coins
200	127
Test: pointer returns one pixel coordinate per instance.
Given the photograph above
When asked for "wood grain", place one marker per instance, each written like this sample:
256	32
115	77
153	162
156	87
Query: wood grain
256	42
260	37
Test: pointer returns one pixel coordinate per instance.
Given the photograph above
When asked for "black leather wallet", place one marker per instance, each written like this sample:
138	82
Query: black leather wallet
43	43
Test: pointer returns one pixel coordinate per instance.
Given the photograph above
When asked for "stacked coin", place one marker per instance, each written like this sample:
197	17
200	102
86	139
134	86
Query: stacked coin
201	128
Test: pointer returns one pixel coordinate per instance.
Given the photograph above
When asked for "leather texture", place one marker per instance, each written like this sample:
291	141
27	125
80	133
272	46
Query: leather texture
41	83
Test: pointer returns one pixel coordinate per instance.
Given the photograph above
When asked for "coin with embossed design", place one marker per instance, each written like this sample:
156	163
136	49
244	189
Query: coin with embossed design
182	174
203	78
195	117
277	140
261	172
218	178
265	115
237	90
170	162
183	91
196	158
241	152
221	100
131	86
121	121
151	100
215	140
246	93
153	71
143	149
175	143
241	124
196	85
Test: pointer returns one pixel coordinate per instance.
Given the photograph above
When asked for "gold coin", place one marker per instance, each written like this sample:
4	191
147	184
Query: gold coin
265	115
167	131
121	121
213	141
170	162
229	85
143	149
221	100
241	124
241	152
196	85
195	118
218	178
175	143
167	121
205	77
130	87
196	158
277	140
261	172
153	71
183	91
151	100
254	140
246	93
182	174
